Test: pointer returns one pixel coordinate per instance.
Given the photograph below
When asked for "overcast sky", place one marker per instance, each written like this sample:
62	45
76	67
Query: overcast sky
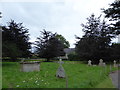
62	16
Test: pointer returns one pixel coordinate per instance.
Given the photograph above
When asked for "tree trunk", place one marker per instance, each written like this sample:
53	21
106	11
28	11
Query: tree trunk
48	59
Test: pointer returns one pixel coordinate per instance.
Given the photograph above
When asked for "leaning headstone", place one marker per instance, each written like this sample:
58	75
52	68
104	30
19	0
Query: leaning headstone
101	62
114	63
89	63
60	72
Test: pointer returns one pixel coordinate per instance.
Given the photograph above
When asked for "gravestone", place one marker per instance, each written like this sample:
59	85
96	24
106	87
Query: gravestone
110	67
105	68
60	72
101	62
114	63
30	66
89	63
104	64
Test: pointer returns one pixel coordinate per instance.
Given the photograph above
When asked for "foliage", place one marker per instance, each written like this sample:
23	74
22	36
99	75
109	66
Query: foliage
15	40
73	57
48	46
115	51
95	43
10	49
113	13
63	40
79	76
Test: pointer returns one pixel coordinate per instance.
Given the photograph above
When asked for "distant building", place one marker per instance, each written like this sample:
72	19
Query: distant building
67	52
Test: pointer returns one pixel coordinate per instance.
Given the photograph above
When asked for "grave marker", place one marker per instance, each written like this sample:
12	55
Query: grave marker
60	72
89	63
101	62
114	63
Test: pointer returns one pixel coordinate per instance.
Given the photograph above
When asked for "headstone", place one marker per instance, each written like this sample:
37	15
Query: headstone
60	72
104	64
114	63
30	66
89	63
101	62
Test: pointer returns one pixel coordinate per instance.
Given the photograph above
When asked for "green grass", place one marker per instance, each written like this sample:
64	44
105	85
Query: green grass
107	83
79	76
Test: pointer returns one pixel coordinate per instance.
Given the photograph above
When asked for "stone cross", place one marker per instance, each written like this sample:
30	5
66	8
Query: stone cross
89	63
114	63
60	72
101	62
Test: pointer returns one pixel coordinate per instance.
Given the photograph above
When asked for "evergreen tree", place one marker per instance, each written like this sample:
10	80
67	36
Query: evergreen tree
113	13
15	40
48	46
63	40
95	42
115	51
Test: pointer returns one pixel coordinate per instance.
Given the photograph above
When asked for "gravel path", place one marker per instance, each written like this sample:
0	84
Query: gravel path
115	76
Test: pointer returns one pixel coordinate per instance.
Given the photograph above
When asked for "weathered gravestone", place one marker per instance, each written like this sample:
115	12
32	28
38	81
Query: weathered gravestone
101	62
115	65
89	63
110	67
104	64
30	66
60	72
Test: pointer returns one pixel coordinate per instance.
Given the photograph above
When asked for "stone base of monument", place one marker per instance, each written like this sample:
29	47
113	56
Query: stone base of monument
29	66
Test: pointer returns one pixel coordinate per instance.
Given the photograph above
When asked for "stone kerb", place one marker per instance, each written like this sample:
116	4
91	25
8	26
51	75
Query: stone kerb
30	66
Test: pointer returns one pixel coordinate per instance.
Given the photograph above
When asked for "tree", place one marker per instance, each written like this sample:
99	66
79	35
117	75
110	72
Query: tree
63	40
15	40
115	51
113	13
95	43
48	46
0	15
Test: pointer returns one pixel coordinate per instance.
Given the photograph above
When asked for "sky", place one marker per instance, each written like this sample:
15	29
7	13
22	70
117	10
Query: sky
62	16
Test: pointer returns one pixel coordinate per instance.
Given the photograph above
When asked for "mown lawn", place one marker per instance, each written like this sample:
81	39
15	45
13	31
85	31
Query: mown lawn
79	76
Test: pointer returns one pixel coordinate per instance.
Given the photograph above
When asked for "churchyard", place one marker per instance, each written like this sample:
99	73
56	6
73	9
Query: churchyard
77	75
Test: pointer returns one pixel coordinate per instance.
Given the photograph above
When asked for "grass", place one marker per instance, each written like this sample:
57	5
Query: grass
107	83
79	76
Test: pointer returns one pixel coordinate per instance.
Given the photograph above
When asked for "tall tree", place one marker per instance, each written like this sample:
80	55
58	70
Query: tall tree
113	13
48	46
95	42
15	40
63	40
115	51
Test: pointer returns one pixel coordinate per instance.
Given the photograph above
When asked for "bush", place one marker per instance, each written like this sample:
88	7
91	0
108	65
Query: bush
73	57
